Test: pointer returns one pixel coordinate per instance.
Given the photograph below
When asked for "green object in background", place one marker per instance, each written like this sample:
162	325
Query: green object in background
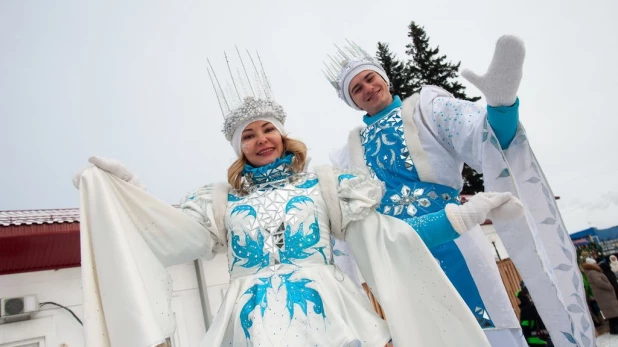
587	286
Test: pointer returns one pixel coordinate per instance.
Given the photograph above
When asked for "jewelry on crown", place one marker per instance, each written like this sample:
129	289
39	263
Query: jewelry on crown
244	97
347	63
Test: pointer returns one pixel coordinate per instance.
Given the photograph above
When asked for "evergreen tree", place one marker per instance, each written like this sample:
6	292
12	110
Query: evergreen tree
397	71
431	68
473	181
426	66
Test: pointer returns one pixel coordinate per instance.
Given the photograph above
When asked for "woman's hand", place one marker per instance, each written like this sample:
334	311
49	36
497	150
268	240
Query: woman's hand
111	166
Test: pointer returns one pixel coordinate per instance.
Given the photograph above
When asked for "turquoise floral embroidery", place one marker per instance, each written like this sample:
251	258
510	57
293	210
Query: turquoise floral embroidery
299	294
308	184
297	244
258	298
252	252
253	249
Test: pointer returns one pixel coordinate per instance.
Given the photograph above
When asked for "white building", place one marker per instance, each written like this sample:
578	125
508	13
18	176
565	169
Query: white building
41	240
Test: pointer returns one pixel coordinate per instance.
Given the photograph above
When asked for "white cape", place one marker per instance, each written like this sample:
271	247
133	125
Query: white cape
421	306
126	289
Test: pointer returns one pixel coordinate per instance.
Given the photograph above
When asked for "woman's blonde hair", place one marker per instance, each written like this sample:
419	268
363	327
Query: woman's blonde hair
290	146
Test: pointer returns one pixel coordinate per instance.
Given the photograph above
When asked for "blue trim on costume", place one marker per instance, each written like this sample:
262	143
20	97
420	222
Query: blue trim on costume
274	171
258	170
345	177
372	119
456	269
503	121
433	228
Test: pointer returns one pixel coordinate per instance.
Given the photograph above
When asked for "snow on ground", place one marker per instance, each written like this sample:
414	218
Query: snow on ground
607	340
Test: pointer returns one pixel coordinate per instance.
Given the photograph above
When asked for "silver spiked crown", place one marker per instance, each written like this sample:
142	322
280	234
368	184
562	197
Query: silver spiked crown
342	66
246	94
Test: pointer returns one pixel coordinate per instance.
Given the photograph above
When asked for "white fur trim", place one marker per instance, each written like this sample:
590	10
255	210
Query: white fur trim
410	132
356	150
219	208
328	188
307	162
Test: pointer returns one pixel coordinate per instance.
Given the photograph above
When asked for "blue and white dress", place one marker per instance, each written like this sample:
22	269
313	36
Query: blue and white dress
284	289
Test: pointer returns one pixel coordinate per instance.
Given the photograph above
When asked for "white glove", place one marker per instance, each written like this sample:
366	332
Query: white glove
501	81
111	166
510	210
498	205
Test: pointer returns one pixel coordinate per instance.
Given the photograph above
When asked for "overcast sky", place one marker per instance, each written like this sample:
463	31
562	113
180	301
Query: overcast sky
128	80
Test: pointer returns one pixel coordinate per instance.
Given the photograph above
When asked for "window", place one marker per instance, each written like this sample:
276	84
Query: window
36	342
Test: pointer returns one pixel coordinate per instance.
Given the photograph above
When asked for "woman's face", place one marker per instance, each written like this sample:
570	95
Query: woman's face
261	143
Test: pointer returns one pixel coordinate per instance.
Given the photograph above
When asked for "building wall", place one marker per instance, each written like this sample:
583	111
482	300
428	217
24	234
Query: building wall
59	328
54	324
216	281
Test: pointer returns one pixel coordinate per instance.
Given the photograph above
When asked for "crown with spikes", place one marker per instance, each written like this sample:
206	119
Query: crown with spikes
344	63
345	60
245	95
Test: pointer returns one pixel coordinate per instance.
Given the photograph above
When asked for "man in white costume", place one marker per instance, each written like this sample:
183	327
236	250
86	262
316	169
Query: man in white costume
417	147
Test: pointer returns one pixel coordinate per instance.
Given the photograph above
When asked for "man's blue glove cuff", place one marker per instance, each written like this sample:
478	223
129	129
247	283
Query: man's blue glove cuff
504	121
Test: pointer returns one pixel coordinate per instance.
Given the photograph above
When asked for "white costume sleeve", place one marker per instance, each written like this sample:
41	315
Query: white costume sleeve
456	124
207	206
538	244
414	292
349	195
128	237
359	194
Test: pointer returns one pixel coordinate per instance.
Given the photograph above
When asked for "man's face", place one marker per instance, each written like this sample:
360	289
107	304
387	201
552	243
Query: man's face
369	91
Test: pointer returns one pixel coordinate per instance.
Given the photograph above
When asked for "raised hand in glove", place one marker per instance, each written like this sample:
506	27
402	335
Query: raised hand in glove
500	83
111	166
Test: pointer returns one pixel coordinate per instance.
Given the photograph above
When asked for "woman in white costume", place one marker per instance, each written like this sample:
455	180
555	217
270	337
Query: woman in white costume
276	222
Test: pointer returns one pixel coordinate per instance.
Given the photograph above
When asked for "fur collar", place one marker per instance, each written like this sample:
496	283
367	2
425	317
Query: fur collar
592	267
